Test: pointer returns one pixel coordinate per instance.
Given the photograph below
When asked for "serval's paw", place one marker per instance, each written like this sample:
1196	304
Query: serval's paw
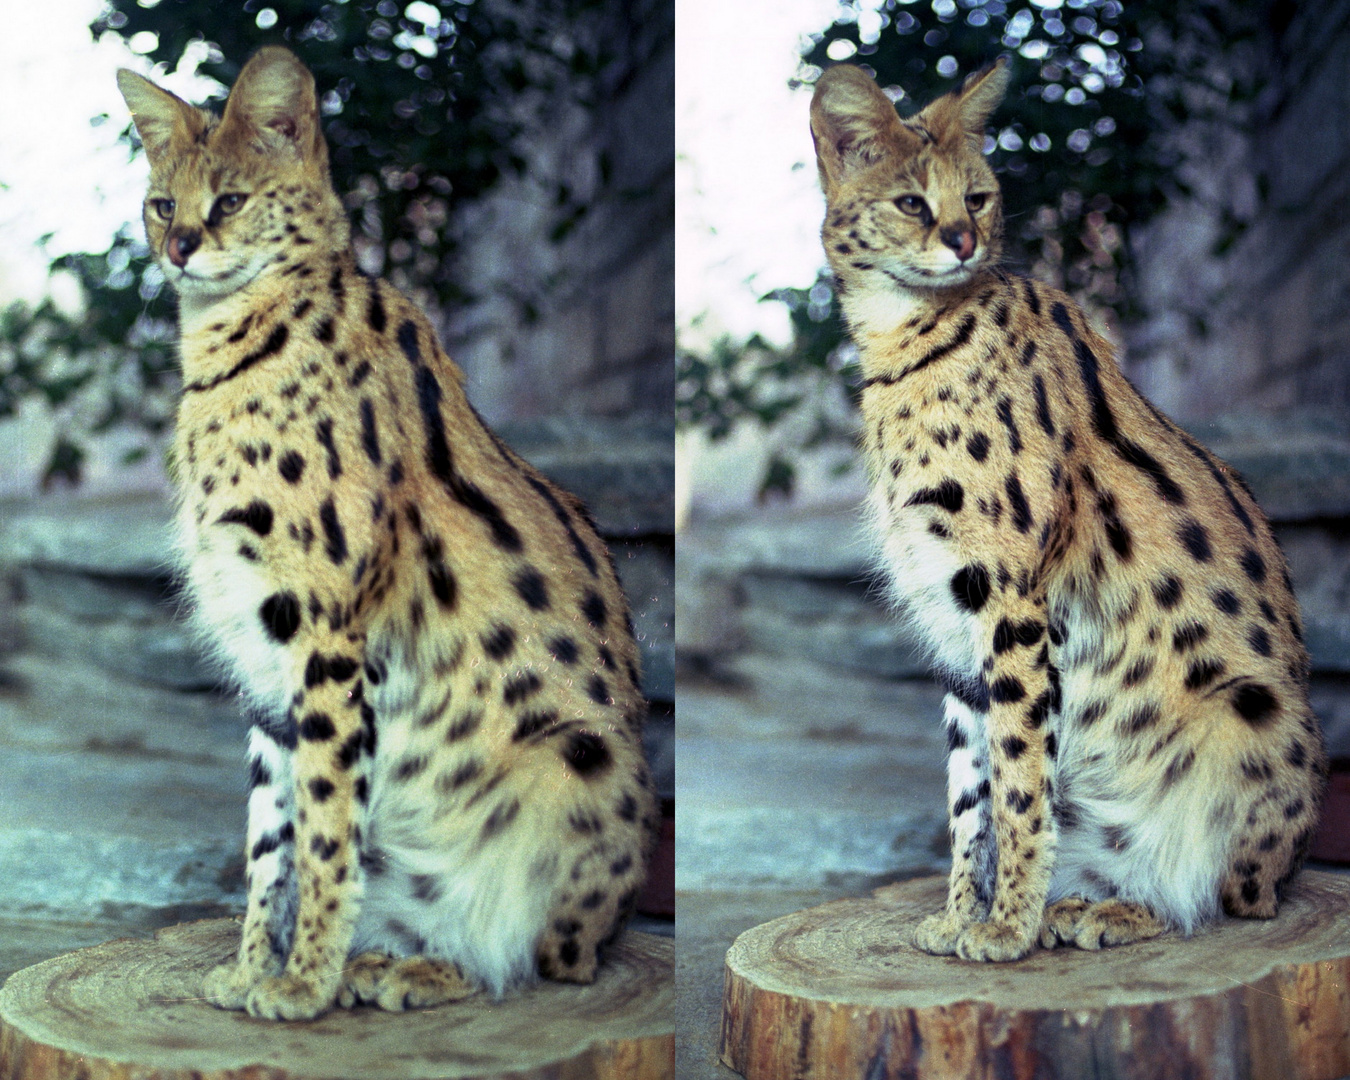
996	941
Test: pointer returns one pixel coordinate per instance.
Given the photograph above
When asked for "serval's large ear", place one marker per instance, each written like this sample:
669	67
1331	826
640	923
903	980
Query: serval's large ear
854	126
964	113
273	107
157	114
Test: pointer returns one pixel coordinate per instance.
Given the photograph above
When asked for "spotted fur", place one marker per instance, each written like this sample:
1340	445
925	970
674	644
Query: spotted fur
1130	741
447	780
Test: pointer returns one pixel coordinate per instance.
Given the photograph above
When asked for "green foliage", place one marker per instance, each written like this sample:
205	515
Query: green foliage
426	105
1076	145
112	364
422	112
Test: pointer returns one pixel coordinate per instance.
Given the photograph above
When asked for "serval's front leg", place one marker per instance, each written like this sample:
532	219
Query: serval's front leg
970	886
1023	688
269	922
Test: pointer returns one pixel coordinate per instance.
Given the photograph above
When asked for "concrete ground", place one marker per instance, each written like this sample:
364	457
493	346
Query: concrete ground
795	784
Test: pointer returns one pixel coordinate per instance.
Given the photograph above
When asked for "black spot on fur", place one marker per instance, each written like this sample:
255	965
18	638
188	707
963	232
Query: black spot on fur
443	585
336	545
280	615
594	610
276	341
317	727
1008	634
1006	690
1043	416
934	354
598	691
948	495
409	768
407	341
1194	538
321	788
531	587
291	466
370	437
323	431
1041	708
324	848
586	753
1019	801
439	461
564	649
271	841
1005	414
1178	767
971	691
1143	717
1203	672
521	686
1021	511
968	800
375	315
1259	640
978	445
464	725
257	516
1140	670
1167	591
1014	747
500	643
1188	635
531	723
464	774
424	887
258	774
1256	704
1253	565
1226	602
970	587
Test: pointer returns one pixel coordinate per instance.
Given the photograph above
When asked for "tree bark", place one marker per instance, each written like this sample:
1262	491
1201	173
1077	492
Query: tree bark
838	991
131	1010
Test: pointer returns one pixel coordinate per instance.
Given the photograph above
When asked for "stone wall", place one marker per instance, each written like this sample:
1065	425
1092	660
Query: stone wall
584	324
1244	282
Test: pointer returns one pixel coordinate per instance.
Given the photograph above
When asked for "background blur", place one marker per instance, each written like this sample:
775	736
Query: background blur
1183	170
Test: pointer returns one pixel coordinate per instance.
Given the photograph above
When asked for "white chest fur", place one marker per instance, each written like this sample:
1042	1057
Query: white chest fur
228	593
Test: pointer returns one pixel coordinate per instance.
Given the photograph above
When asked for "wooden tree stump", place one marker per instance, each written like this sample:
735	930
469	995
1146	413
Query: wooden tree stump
130	1010
838	991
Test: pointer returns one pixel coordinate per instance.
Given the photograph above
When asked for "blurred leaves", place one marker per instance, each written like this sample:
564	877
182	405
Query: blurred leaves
1079	145
113	363
426	106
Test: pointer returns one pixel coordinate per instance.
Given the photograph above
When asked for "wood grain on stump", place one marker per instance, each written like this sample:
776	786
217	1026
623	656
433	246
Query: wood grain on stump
838	991
130	1010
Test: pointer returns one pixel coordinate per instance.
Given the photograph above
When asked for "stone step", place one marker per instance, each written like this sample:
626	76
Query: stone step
804	776
803	585
93	581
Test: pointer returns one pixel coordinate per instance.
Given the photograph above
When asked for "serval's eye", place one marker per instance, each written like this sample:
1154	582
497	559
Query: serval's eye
228	204
163	207
975	203
911	204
